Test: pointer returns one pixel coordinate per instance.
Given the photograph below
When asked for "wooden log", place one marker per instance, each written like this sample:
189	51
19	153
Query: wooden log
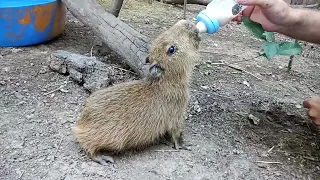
86	71
130	45
116	7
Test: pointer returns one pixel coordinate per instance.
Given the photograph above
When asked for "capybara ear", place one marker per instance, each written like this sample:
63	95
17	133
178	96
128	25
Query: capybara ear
155	70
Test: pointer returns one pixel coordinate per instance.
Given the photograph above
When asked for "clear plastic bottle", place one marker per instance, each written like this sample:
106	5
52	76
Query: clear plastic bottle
217	13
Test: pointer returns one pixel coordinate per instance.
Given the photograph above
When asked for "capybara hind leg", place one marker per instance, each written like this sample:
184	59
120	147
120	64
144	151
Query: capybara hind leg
103	159
166	139
177	139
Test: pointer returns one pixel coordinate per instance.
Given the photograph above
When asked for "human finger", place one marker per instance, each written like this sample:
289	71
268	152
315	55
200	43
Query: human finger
306	103
237	18
312	113
315	121
248	11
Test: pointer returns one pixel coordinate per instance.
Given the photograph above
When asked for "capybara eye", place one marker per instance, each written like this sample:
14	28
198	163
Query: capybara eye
171	50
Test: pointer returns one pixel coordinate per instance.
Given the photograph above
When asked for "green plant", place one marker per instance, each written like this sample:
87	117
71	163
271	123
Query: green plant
271	47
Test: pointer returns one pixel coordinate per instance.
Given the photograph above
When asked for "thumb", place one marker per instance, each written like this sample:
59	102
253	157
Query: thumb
306	103
261	3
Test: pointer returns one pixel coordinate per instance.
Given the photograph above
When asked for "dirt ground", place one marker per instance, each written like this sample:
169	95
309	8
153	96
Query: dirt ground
36	141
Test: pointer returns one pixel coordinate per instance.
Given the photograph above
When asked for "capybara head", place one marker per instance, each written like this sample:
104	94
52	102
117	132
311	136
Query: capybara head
174	52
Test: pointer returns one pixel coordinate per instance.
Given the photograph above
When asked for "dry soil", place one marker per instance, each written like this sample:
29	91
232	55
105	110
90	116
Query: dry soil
36	115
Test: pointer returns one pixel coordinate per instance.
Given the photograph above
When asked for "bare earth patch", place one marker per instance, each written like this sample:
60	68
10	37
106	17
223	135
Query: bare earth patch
245	120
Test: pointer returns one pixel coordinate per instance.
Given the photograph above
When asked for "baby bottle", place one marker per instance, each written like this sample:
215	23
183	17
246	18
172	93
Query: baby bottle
217	13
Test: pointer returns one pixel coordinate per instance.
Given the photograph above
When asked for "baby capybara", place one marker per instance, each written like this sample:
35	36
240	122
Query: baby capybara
134	114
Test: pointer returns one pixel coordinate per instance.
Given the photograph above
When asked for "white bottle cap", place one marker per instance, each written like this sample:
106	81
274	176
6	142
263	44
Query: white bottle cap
201	27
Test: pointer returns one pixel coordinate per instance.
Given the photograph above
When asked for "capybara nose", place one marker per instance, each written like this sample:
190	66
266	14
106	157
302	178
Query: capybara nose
190	25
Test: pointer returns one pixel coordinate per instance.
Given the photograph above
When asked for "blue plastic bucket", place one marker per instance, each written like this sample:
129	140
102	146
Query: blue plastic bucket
30	22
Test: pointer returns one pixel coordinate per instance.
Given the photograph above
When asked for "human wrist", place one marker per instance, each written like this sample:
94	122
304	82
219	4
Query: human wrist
294	19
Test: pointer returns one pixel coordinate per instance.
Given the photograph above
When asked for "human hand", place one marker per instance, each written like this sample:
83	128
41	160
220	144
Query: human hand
313	106
271	14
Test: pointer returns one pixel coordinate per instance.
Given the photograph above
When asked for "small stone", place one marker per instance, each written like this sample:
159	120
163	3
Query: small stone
6	69
264	155
43	70
298	106
50	158
2	83
246	83
29	116
16	144
5	52
21	102
197	108
254	119
204	87
64	91
236	152
18	95
16	50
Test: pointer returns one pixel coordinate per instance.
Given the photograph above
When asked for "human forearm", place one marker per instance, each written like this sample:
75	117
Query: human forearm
303	24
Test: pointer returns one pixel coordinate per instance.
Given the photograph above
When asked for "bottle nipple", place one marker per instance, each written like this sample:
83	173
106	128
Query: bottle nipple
202	28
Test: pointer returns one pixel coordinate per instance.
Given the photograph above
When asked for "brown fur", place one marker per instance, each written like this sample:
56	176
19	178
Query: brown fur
133	114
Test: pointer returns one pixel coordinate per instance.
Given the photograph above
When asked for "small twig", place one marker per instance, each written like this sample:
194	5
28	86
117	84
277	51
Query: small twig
124	70
267	162
244	60
290	63
167	150
54	155
270	149
91	52
62	86
217	63
47	86
242	70
24	171
236	68
310	158
184	9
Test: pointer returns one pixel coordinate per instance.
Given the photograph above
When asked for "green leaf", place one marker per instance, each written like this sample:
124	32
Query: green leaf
289	48
270	49
255	28
270	36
